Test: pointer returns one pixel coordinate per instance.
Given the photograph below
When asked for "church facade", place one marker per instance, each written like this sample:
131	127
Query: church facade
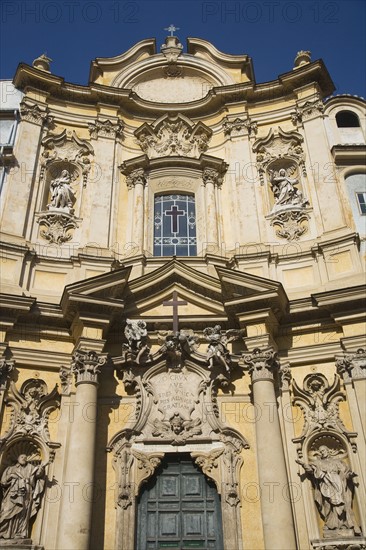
182	331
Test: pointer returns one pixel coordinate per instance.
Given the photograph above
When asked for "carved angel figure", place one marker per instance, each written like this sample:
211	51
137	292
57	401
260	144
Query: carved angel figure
333	483
217	347
178	345
62	195
22	485
285	190
136	334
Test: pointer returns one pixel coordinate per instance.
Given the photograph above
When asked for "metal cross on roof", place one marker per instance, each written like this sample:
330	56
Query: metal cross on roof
171	29
175	303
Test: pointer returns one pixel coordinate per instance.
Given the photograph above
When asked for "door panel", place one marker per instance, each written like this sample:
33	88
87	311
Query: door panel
179	509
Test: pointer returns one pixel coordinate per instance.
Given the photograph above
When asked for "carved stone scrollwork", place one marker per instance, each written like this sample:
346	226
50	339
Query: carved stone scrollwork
319	403
106	129
290	224
55	227
352	366
239	127
285	376
86	366
31	407
308	109
339	546
173	135
263	364
66	150
171	49
279	146
6	369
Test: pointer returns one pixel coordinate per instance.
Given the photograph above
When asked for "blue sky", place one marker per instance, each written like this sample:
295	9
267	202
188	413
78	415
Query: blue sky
73	32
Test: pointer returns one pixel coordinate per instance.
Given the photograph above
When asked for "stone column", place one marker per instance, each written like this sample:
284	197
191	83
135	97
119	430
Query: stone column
77	488
211	178
137	180
278	525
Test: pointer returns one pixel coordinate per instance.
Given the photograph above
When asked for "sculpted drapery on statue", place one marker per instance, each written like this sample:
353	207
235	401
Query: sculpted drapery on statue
333	484
22	485
62	195
285	190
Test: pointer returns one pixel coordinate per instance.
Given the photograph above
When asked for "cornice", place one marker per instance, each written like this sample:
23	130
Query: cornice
128	101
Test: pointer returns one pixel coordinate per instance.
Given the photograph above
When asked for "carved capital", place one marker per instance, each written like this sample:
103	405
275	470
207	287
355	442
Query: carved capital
263	364
239	127
307	110
31	112
212	176
6	369
106	129
136	177
352	366
86	366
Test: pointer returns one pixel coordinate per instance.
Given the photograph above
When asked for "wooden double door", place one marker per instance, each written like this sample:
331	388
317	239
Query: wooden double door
179	509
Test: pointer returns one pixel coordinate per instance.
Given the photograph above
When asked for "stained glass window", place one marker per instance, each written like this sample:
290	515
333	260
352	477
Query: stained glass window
175	225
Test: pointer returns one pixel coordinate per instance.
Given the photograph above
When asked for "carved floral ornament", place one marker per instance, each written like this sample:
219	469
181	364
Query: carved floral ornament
173	136
6	370
86	366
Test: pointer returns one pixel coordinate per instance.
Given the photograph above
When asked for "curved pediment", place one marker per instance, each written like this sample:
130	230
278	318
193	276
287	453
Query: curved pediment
172	76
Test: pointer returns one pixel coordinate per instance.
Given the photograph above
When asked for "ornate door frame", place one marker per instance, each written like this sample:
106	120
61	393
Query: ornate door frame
194	428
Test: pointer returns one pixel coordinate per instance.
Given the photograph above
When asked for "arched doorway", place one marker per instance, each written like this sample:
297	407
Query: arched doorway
179	508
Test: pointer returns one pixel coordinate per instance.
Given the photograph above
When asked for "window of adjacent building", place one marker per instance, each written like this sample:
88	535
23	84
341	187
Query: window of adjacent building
361	198
175	225
8	124
347	119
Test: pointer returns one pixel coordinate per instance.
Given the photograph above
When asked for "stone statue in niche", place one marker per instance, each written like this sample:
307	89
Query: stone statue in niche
217	351
334	487
62	196
136	334
22	485
285	190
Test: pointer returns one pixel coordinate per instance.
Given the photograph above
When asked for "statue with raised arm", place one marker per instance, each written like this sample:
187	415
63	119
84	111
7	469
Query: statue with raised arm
285	190
217	350
22	486
333	484
62	195
136	334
